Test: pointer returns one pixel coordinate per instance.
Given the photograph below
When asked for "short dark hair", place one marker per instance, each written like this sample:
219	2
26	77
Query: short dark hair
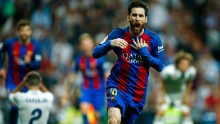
23	23
33	79
137	4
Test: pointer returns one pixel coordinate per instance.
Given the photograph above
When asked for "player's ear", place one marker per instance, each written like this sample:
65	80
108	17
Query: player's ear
146	19
128	18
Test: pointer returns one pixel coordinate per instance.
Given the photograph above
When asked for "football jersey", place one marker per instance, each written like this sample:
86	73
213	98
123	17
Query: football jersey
174	80
33	106
131	70
16	66
93	71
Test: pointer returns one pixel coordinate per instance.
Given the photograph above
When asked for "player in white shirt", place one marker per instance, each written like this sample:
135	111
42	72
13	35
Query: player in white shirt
34	105
176	82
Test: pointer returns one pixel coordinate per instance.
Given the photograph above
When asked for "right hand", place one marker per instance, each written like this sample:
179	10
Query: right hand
119	43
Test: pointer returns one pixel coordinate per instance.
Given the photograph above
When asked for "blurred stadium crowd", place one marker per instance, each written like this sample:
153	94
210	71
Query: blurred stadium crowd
191	25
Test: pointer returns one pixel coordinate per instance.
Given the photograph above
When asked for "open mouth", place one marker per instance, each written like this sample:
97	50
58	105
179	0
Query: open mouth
137	26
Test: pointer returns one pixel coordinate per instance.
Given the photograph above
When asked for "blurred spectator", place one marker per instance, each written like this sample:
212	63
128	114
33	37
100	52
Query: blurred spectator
41	18
158	15
210	68
62	54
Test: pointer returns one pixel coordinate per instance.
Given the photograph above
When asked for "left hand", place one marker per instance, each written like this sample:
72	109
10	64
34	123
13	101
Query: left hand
138	44
27	59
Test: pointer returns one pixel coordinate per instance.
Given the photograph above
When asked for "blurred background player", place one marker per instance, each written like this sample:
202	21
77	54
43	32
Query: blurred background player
137	49
35	104
176	85
23	55
94	73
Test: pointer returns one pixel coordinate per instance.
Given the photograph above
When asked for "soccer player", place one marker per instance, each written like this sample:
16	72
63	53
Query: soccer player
23	55
35	104
176	87
137	49
94	72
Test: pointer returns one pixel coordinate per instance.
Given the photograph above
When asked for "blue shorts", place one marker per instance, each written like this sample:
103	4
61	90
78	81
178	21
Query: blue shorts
96	97
130	109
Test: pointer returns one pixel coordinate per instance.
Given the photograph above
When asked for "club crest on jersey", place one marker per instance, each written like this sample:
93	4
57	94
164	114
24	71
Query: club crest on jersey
104	40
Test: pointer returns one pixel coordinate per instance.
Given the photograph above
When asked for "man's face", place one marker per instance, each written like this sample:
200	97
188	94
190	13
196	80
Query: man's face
137	20
24	33
183	65
87	45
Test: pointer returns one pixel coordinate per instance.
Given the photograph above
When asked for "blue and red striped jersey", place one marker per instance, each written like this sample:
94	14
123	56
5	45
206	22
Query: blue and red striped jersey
131	70
17	68
93	71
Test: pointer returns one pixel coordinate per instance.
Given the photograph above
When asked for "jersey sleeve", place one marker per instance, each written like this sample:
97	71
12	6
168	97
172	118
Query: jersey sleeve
192	73
50	98
165	73
105	46
156	58
37	58
14	97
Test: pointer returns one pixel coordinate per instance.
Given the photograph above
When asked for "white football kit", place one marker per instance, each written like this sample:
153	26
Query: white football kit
175	83
34	106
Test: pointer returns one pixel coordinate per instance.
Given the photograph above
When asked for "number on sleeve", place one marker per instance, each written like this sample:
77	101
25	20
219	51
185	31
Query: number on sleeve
36	114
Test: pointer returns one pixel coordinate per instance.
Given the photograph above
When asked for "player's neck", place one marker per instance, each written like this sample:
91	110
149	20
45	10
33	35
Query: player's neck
24	41
33	88
135	34
88	54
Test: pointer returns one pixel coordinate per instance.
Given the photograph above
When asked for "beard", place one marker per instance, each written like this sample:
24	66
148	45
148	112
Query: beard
136	28
24	38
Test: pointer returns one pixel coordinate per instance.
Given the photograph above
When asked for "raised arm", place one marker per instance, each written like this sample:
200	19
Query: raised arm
42	87
20	86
